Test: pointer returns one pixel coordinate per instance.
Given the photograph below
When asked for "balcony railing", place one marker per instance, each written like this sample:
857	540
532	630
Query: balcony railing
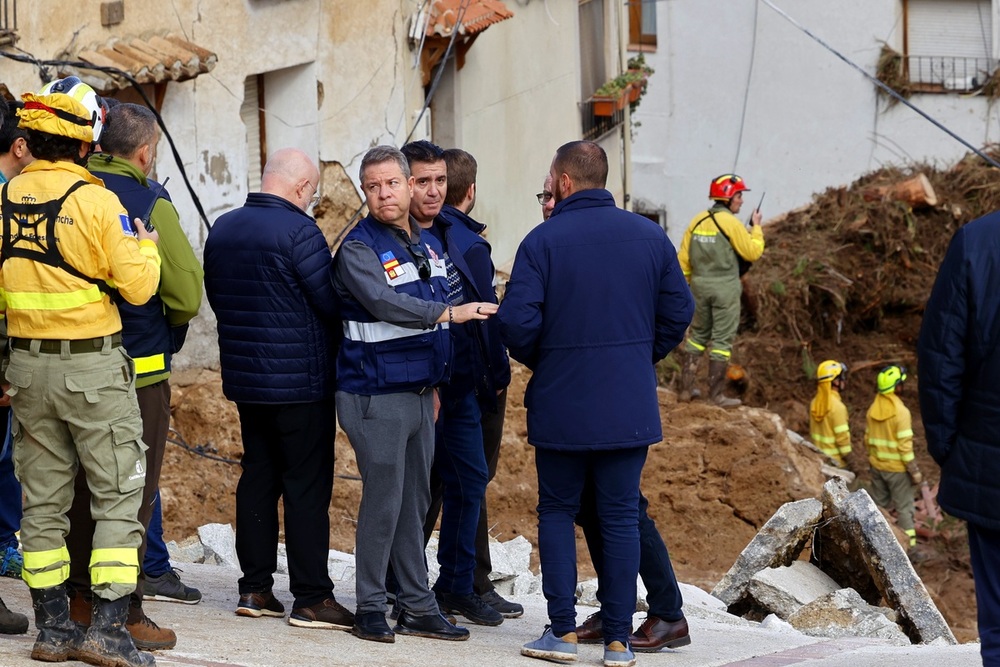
8	21
948	74
595	127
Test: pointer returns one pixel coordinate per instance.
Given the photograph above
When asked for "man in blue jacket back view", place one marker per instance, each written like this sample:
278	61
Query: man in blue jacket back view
959	356
596	297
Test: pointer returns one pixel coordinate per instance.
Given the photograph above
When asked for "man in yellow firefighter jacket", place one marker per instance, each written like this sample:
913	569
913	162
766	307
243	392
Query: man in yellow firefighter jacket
889	437
828	423
68	252
710	254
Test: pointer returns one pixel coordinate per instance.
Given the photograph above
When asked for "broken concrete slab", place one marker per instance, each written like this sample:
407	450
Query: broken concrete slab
783	590
865	538
219	541
844	613
778	543
188	550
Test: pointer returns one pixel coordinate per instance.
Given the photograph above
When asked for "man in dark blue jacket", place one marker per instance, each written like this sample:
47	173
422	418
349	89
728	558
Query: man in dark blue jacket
269	279
596	297
959	357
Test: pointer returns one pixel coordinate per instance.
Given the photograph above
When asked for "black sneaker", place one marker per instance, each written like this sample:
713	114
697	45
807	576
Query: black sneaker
471	606
168	587
506	608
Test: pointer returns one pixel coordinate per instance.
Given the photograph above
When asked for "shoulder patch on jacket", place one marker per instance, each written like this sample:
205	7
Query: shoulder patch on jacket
127	227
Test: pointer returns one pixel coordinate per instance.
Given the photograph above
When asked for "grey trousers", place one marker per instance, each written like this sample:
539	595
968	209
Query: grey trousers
393	440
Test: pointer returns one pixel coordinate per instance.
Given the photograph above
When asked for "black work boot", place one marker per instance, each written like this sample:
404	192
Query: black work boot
107	642
11	622
717	382
58	636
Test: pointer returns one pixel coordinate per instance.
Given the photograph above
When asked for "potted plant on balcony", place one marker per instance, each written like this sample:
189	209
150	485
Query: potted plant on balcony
638	78
610	97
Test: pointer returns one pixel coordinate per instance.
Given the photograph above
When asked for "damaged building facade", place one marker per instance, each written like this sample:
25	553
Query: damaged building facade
235	81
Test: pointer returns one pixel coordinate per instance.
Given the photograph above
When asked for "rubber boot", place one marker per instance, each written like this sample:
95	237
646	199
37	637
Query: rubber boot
11	622
717	382
58	637
689	373
107	642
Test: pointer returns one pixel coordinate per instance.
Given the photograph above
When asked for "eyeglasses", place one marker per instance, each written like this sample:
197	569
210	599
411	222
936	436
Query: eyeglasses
544	197
315	198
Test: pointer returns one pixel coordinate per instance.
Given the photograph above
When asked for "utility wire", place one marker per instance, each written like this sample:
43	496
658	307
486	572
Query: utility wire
42	64
889	91
746	93
427	102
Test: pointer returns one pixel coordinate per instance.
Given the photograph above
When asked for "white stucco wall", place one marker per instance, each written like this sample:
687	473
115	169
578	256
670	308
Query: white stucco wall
811	122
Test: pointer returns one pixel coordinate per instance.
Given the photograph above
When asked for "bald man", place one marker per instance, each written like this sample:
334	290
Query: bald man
268	276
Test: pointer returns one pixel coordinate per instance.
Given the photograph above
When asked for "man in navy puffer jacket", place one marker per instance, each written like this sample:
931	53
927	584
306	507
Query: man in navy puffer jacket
596	297
269	279
959	357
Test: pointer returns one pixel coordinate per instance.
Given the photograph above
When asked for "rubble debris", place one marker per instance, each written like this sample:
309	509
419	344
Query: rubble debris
784	590
843	613
778	543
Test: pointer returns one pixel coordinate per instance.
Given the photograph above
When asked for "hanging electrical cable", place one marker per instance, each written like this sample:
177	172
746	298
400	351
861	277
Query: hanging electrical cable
42	66
889	91
746	93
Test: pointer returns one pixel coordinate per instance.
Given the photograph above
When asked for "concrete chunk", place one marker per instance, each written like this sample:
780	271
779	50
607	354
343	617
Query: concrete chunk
778	543
220	541
844	613
783	590
188	550
871	549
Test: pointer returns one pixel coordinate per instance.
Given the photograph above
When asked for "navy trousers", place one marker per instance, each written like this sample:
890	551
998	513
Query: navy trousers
561	478
663	595
460	464
10	488
157	560
984	546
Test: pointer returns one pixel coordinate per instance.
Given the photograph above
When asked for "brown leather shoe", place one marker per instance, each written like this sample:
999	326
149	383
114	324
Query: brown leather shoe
80	608
146	634
655	634
591	631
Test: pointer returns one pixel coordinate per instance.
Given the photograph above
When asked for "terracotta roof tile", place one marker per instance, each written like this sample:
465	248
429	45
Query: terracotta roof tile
152	59
479	15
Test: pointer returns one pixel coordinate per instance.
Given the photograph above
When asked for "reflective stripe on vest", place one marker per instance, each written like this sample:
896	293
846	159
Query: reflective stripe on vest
378	332
151	364
114	566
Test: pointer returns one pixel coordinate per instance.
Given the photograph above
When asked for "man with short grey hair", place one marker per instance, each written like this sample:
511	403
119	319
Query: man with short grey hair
393	288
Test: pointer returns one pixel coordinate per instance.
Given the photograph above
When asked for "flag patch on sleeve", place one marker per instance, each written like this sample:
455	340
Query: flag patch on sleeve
390	264
126	224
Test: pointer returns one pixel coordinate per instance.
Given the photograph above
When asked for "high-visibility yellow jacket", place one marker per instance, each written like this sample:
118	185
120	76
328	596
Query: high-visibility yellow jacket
889	434
704	252
95	236
829	425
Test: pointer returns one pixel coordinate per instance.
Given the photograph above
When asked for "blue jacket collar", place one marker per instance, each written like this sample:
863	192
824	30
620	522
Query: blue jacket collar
451	215
584	199
265	200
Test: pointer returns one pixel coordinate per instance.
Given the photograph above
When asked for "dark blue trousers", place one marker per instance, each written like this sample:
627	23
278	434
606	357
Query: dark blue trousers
157	560
562	476
984	546
460	465
663	595
10	488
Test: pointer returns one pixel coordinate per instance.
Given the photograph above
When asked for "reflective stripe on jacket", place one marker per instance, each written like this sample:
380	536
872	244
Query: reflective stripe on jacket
95	236
889	434
379	357
832	433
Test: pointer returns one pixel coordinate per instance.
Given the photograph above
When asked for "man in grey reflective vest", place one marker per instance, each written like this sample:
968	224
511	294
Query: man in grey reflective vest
396	351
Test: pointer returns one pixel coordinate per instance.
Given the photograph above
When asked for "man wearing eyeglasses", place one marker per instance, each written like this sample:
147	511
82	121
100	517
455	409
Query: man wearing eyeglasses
269	279
595	298
545	198
393	288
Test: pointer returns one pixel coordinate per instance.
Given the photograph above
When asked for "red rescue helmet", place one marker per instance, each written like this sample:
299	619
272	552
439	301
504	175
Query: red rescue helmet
725	187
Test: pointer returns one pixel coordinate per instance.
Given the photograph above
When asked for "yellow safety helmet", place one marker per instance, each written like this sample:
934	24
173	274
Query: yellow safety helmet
890	377
65	107
830	370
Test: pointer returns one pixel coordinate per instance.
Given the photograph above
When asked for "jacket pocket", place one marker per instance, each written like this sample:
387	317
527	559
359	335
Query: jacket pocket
405	362
129	452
